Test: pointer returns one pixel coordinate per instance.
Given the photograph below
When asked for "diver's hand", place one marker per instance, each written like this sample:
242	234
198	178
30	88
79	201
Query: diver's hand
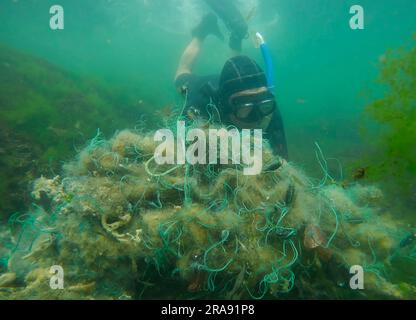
208	25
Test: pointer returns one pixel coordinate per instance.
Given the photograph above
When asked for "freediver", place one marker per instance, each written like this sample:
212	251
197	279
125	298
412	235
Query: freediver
240	93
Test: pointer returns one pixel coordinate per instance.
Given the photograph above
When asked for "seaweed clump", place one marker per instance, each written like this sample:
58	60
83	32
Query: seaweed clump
37	102
123	227
396	112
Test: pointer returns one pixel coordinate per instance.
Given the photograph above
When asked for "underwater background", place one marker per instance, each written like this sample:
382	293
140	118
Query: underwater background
112	67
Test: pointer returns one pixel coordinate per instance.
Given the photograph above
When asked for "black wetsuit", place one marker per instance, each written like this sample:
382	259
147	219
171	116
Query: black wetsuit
200	91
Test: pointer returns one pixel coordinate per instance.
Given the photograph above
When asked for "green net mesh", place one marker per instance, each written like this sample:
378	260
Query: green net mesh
123	227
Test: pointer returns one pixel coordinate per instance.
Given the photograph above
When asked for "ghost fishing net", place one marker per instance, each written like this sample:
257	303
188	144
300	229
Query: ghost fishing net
123	227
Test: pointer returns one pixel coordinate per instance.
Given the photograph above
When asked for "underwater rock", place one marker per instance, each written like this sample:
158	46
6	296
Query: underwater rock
122	226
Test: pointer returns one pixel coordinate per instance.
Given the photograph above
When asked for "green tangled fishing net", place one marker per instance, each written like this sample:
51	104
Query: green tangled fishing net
123	227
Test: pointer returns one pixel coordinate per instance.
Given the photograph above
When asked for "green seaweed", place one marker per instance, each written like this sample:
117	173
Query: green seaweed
45	114
395	113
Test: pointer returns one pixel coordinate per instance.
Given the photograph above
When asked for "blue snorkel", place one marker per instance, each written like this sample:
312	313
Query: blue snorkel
267	57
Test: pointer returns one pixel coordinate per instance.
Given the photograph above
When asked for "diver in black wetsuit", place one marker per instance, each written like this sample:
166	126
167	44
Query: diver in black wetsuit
240	92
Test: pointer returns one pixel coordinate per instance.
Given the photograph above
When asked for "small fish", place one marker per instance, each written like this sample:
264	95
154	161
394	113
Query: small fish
301	101
360	173
166	111
355	221
273	166
59	132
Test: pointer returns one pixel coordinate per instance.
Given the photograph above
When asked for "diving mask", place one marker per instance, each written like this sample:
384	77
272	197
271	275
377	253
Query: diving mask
244	108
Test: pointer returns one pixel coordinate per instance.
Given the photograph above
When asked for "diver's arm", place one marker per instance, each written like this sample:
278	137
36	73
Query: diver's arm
189	57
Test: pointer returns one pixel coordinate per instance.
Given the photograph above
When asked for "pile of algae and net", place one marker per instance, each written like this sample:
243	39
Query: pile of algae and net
122	227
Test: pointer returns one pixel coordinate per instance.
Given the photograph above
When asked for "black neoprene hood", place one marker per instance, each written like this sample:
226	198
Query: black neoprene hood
238	74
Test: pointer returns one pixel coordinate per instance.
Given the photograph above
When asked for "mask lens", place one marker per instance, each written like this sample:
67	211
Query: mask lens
244	110
267	107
